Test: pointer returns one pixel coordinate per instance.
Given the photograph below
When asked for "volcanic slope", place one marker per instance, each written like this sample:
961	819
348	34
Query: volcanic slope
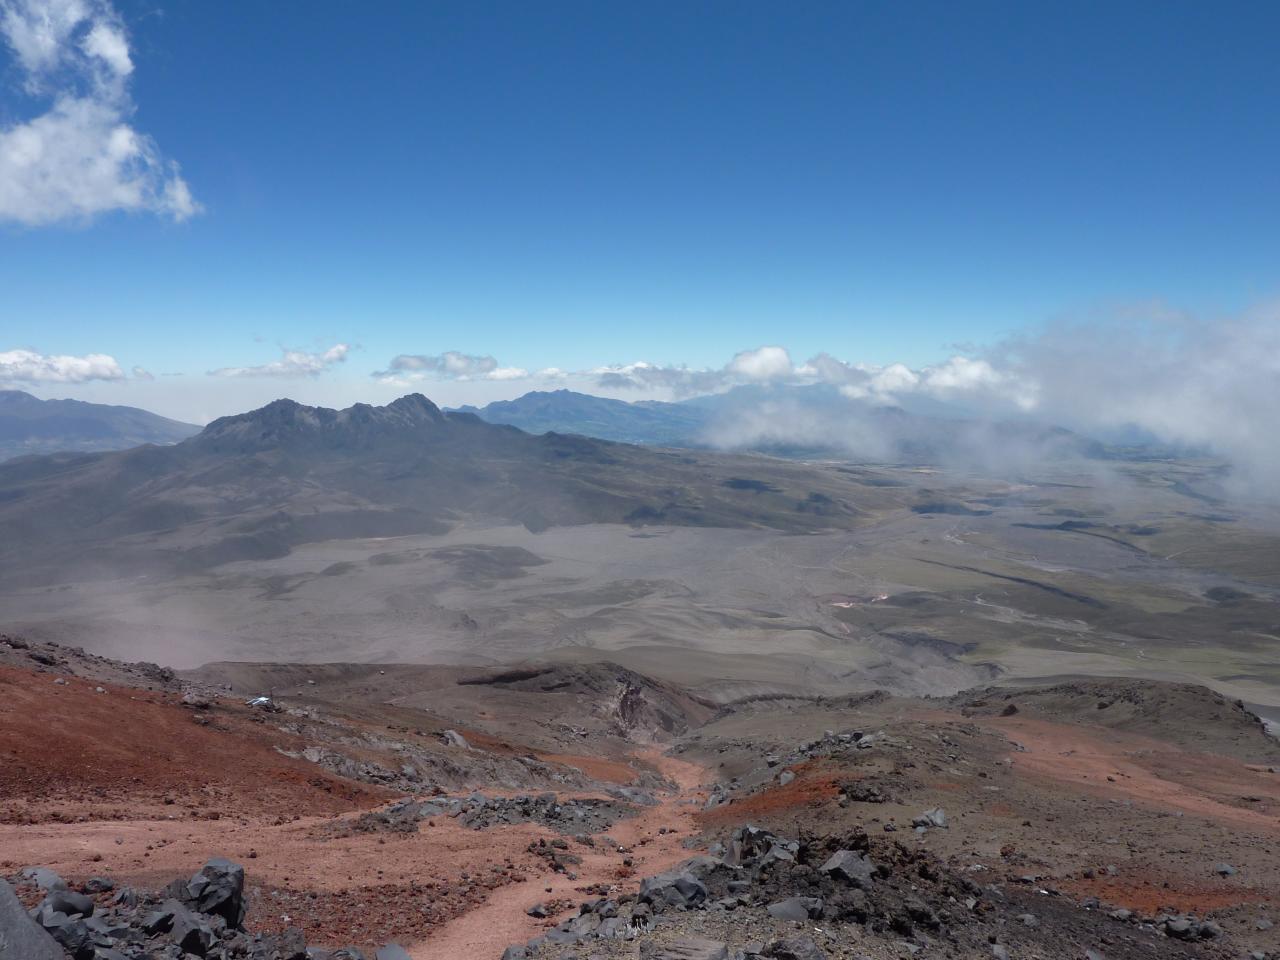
29	426
520	807
254	486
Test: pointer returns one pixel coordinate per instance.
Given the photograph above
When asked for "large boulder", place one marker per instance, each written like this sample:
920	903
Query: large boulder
68	902
21	938
191	932
675	888
185	927
63	915
218	889
851	867
796	908
755	848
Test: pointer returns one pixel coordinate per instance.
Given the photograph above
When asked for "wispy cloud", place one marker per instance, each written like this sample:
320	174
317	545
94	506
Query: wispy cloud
408	368
81	157
291	365
1210	384
27	366
959	377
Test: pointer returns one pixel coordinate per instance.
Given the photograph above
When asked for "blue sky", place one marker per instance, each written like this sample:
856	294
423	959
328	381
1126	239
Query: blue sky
573	185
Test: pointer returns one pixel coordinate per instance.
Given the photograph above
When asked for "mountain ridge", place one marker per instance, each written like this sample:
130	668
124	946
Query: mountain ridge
31	426
254	485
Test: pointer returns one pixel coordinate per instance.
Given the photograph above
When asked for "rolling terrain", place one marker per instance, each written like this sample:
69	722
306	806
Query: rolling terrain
542	810
30	426
404	533
256	485
423	686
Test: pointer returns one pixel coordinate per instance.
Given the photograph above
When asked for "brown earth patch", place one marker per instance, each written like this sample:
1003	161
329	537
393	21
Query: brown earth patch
1151	895
1109	763
812	787
597	768
65	747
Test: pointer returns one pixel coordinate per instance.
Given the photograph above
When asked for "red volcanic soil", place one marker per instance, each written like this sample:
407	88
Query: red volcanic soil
64	746
125	783
598	768
812	787
654	839
1111	763
1153	895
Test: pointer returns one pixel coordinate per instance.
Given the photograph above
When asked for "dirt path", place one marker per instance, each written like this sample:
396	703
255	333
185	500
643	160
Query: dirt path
483	933
369	887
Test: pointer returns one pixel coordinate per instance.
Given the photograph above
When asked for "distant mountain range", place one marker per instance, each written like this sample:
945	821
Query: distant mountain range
794	421
564	411
814	421
29	425
253	486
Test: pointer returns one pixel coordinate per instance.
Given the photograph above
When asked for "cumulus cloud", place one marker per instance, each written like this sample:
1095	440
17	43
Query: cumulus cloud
451	365
27	366
292	364
81	157
967	379
641	375
762	364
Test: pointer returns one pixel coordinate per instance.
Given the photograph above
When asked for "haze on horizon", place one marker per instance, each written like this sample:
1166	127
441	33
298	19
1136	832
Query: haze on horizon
1019	212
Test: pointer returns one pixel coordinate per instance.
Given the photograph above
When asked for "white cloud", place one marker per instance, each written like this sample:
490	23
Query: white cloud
1207	383
141	373
27	366
39	33
410	368
108	44
507	373
765	363
81	157
292	363
678	381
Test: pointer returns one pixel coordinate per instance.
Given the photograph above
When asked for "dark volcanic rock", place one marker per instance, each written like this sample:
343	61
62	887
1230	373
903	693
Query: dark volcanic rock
65	901
686	948
853	868
218	889
795	948
21	938
676	888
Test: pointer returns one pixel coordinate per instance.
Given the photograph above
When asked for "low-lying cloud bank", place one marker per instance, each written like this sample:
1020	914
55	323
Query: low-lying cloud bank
1184	382
1214	385
1163	376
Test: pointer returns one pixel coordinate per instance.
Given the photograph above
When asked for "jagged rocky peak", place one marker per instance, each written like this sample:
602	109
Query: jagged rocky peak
283	422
